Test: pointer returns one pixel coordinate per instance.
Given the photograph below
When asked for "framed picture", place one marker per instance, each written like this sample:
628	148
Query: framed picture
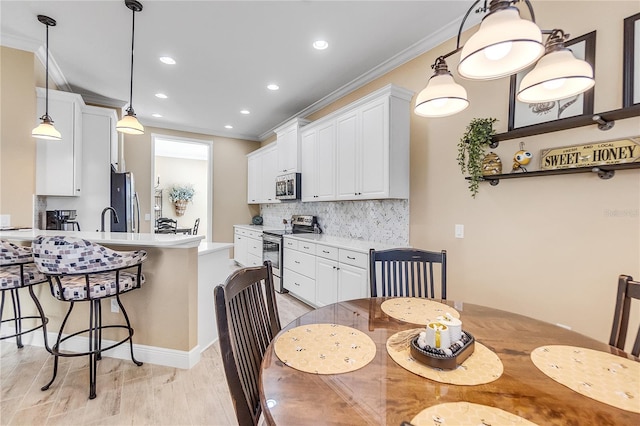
525	115
631	62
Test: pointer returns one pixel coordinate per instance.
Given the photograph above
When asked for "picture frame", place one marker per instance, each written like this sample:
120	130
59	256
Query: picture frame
533	115
631	61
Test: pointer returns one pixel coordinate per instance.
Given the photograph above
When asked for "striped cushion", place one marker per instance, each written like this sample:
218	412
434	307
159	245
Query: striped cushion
10	276
103	284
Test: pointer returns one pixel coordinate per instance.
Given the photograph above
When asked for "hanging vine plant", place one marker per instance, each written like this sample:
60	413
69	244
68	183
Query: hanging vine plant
471	149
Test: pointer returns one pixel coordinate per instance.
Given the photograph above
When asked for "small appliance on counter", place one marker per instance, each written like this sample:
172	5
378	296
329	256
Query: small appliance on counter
61	220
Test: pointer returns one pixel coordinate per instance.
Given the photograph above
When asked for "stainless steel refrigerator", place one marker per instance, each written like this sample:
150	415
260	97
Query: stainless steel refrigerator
124	200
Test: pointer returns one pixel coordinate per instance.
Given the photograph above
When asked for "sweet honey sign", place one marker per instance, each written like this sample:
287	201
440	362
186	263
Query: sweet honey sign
594	154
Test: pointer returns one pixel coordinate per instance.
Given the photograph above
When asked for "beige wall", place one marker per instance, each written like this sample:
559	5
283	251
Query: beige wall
229	178
549	247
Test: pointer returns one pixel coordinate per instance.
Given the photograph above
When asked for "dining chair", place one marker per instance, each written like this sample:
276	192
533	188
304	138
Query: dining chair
164	225
627	290
195	227
247	316
407	272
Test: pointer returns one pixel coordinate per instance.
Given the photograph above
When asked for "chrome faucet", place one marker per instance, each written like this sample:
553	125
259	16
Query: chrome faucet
113	213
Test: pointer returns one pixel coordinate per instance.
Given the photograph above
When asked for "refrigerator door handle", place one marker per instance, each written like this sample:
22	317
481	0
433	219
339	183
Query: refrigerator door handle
136	223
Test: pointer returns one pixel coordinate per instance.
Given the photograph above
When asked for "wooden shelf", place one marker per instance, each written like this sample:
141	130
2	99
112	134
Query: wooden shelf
606	171
567	123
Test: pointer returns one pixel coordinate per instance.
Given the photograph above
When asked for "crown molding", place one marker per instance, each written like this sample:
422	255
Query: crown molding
55	73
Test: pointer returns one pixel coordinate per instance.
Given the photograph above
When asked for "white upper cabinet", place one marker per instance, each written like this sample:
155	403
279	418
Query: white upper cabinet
59	163
261	175
289	146
318	148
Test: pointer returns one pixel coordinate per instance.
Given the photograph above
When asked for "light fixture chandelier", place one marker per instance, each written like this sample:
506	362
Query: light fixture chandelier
557	75
129	123
504	45
46	130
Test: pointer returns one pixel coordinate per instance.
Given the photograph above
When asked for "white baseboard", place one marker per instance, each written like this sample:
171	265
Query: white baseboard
144	353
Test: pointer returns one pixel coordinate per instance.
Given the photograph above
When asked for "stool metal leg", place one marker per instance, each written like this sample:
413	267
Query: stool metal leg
15	298
94	331
56	348
126	318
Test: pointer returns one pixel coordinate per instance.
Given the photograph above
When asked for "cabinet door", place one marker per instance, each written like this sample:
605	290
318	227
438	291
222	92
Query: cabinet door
352	282
347	154
326	162
301	286
240	249
254	179
374	160
288	150
326	281
58	163
269	161
309	162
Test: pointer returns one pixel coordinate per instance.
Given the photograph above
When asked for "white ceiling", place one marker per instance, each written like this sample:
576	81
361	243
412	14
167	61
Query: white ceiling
227	52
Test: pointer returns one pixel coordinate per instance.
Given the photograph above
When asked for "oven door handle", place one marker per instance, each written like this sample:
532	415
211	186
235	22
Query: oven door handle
272	239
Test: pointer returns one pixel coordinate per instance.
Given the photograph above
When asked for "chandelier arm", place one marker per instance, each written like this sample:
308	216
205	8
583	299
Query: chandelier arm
462	24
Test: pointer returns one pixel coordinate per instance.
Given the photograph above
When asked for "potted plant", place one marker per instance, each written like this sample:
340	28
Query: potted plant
179	196
471	149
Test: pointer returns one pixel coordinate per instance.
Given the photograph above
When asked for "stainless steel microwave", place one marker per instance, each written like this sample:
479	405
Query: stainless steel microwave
288	186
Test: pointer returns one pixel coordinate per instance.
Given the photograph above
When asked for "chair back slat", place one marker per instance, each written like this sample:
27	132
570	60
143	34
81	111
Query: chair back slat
247	317
407	273
628	289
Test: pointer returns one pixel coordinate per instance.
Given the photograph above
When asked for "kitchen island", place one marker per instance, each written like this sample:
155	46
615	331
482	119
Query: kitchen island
172	313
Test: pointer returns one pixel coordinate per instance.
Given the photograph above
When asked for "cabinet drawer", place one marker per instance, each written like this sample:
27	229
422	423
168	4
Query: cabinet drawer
240	231
307	247
299	262
354	258
327	252
291	244
254	247
254	234
253	260
301	286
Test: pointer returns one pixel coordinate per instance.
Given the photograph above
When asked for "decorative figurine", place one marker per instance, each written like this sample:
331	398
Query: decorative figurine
521	159
491	164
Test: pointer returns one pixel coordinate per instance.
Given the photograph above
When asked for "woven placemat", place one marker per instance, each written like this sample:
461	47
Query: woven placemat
466	413
325	348
483	366
416	310
602	376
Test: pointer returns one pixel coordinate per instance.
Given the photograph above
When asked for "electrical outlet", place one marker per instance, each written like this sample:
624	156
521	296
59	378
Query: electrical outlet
114	306
459	231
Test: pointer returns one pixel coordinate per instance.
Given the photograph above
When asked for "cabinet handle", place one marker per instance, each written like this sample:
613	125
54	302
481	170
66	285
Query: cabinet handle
295	283
305	247
352	258
295	261
324	251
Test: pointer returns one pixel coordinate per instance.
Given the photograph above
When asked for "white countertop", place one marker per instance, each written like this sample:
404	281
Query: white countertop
207	247
118	238
345	243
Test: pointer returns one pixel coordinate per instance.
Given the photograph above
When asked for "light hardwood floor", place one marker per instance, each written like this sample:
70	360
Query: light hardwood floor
126	394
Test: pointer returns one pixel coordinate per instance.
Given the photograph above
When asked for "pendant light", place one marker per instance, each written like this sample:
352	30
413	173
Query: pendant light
557	75
46	130
442	96
504	44
129	123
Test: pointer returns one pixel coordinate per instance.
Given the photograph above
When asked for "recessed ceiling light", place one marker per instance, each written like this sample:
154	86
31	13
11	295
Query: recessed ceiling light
320	44
167	60
156	115
161	96
244	111
228	126
273	87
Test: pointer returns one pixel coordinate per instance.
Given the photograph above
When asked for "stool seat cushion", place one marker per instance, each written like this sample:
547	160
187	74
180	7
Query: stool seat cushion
11	254
61	255
10	276
102	284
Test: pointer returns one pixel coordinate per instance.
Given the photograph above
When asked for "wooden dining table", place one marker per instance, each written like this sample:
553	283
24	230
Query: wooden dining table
384	393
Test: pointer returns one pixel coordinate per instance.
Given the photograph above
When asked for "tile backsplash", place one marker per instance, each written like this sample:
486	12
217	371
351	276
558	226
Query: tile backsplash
384	221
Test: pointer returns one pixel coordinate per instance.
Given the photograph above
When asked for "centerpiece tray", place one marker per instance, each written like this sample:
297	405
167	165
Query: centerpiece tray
440	360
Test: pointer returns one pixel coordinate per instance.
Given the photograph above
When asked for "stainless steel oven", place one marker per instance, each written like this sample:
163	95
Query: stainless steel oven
272	250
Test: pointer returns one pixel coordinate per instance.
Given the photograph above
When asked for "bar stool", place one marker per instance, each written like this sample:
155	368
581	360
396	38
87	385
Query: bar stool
81	271
18	271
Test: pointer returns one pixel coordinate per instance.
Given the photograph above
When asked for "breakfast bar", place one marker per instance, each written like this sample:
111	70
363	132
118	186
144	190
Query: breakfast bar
172	313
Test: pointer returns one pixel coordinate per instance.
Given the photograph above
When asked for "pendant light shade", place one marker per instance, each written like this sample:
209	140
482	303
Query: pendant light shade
557	75
504	45
442	96
46	130
129	123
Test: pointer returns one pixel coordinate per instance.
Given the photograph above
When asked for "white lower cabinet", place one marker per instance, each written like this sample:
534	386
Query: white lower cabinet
247	247
321	274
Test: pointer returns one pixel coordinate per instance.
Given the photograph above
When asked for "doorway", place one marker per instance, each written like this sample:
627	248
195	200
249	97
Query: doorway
182	162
